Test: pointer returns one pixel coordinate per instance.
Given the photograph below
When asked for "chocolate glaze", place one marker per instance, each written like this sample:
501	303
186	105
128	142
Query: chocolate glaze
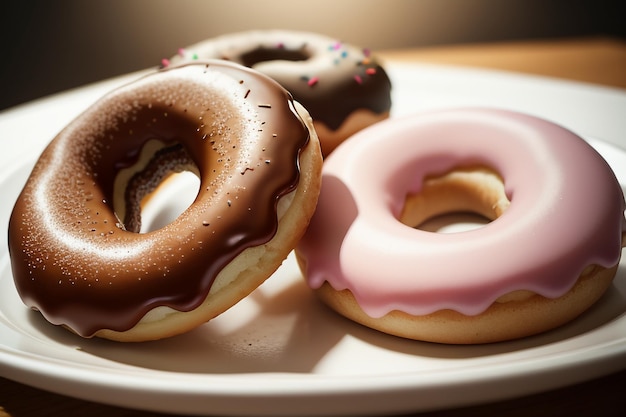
329	78
333	107
71	257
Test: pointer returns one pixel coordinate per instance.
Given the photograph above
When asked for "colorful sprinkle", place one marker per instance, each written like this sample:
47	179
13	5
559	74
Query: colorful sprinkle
280	45
165	62
367	52
358	79
370	71
312	81
181	51
335	46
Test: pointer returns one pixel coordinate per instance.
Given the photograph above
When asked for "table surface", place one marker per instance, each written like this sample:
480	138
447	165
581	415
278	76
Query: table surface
599	61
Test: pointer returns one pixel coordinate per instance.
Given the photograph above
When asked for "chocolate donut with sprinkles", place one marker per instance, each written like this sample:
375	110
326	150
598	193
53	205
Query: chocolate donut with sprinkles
77	254
343	87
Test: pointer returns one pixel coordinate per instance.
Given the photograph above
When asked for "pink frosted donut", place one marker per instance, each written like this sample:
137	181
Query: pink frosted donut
550	251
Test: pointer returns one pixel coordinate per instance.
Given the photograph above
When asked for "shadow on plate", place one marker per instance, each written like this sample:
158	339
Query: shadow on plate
292	332
284	332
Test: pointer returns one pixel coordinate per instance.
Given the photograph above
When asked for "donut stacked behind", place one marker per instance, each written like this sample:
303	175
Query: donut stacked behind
343	87
76	253
550	250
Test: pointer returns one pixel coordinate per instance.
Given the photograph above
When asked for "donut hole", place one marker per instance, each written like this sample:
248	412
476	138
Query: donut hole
460	200
263	54
154	191
169	200
454	222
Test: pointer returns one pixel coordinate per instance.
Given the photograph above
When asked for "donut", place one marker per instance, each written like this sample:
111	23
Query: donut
550	247
343	87
77	254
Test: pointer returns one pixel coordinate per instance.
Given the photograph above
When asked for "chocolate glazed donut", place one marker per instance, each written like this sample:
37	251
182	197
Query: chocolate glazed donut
344	87
76	253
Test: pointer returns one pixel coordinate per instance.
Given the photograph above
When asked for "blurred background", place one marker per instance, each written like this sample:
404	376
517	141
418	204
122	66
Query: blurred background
51	46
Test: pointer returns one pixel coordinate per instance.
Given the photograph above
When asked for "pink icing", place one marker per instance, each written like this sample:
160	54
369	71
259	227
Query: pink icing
566	212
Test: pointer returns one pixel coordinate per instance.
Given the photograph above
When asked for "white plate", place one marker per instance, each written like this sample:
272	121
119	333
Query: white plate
280	352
